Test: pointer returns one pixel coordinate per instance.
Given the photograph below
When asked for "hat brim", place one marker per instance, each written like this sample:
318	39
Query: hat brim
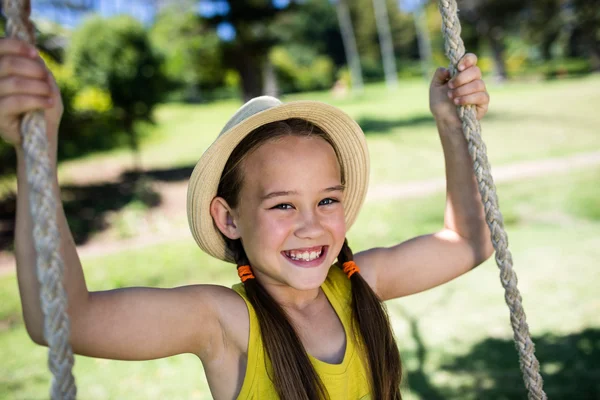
345	133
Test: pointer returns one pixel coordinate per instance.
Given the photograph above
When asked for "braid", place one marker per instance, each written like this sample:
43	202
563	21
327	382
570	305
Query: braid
372	320
294	376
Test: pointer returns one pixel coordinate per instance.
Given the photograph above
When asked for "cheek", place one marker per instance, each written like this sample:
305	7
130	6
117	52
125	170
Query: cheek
267	229
339	228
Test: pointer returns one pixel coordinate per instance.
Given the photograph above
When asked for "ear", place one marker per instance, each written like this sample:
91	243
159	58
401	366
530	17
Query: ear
224	218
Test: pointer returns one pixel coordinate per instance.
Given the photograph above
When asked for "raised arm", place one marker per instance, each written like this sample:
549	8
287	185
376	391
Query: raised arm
136	323
464	241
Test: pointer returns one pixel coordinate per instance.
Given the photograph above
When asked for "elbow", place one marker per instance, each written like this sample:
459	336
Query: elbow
36	335
483	250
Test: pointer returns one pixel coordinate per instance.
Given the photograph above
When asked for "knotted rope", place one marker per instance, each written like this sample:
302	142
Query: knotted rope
455	50
45	230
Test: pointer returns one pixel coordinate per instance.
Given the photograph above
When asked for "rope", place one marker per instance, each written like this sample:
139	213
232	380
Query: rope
46	236
530	366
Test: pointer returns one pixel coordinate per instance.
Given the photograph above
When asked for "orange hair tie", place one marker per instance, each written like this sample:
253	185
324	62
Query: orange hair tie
350	268
245	273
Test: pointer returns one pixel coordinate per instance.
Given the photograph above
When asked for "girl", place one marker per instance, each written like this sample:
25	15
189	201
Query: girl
275	194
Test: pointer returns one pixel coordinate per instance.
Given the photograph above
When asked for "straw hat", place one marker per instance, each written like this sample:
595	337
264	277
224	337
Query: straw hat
204	181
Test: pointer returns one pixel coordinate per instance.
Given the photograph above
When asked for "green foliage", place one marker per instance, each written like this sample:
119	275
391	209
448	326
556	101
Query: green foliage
563	68
254	38
114	54
587	29
299	27
365	27
300	68
87	124
192	53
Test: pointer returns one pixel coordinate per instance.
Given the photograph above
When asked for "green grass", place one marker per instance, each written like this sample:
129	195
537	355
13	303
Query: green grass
455	340
526	121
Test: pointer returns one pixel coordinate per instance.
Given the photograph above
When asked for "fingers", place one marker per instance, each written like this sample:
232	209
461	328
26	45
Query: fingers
467	89
25	67
21	104
441	76
16	85
468	75
17	47
467	61
477	99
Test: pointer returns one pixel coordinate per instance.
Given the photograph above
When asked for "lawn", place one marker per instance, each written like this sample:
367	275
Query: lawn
455	340
526	121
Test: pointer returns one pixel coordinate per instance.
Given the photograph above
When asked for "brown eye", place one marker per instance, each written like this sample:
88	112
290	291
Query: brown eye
328	201
283	206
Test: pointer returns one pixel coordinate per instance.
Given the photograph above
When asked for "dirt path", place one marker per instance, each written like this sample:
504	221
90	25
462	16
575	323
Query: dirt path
174	197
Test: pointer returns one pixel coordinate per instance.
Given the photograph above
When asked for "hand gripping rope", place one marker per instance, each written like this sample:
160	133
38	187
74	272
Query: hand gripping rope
49	264
455	49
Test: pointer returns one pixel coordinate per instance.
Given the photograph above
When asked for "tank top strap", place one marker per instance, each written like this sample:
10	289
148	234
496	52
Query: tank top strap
255	357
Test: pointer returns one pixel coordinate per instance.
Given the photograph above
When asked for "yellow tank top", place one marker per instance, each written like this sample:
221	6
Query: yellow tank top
347	380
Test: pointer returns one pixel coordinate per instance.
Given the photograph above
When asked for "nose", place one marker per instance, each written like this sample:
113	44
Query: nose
309	226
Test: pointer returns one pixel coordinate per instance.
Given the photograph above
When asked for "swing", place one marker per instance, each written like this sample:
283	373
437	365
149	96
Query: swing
46	236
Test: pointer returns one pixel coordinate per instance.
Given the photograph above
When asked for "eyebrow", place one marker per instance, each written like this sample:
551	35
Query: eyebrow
281	193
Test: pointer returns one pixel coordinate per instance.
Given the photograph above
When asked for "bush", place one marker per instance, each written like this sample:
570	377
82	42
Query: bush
115	55
88	123
300	68
562	68
192	54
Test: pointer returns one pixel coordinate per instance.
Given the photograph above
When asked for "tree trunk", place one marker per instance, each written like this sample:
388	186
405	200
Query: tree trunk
496	39
386	44
595	56
349	42
250	68
270	79
128	124
424	41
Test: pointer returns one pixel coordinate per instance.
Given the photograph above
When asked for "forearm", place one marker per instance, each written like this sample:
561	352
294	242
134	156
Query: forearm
464	212
26	257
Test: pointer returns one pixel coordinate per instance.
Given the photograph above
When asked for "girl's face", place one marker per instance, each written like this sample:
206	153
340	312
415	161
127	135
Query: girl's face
290	216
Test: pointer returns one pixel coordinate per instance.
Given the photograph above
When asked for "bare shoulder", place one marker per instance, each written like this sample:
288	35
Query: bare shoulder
231	313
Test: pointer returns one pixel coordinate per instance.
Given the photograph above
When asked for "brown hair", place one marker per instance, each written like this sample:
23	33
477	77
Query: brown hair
294	377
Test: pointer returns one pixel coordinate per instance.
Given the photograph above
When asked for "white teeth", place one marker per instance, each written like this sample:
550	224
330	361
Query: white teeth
304	256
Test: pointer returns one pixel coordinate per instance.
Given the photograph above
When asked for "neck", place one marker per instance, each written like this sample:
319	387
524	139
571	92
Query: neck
288	297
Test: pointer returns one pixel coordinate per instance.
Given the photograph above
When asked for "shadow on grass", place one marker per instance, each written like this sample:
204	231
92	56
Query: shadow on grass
570	365
86	206
378	125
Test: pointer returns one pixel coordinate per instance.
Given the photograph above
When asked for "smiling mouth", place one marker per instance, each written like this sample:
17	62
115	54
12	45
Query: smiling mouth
306	255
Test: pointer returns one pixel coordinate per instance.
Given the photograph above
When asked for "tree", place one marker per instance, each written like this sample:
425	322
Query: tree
587	24
402	32
115	54
192	52
247	51
299	27
386	43
350	47
543	24
492	18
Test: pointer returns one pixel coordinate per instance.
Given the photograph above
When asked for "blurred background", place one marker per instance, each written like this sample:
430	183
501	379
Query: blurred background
148	85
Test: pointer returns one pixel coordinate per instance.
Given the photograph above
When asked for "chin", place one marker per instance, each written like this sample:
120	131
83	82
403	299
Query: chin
306	278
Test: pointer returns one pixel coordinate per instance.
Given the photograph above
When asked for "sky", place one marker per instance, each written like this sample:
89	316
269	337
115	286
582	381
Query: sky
141	10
